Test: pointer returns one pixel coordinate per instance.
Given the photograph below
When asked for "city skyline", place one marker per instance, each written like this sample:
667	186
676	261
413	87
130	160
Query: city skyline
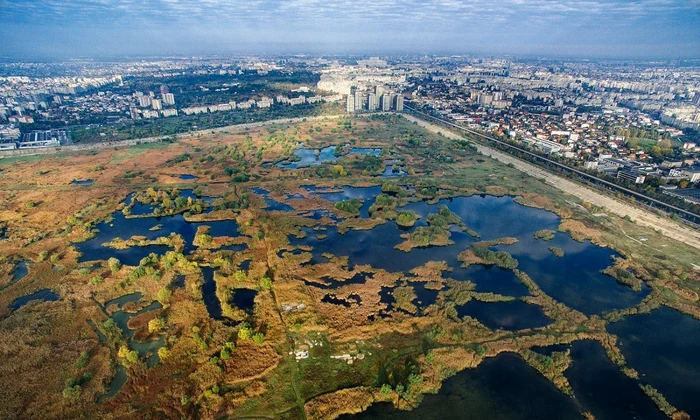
646	29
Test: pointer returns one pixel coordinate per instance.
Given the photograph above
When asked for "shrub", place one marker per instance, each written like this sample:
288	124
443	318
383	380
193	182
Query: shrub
156	325
164	296
82	360
163	353
351	206
258	338
245	332
265	283
72	393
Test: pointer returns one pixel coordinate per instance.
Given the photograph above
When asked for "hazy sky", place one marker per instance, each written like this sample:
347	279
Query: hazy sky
589	28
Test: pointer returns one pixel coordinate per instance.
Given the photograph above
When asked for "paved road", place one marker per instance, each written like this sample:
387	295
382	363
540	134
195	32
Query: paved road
643	217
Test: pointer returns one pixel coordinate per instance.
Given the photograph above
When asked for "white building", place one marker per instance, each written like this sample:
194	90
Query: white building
350	104
169	99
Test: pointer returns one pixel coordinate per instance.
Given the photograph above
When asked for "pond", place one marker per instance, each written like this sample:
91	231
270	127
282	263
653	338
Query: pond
309	157
20	271
503	387
123	300
513	315
490	280
663	346
43	294
188	177
209	294
147	350
574	279
346	302
366	194
82	181
602	388
393	170
272	205
244	299
116	384
125	228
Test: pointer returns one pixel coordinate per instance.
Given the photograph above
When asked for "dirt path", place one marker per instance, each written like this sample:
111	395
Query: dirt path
642	217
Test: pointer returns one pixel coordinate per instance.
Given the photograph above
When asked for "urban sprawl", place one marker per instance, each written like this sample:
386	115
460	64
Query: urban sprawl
634	122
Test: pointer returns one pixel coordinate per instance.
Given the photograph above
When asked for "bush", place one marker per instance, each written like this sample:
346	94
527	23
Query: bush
351	206
114	264
164	296
82	360
258	338
156	325
265	283
163	353
245	332
72	393
407	218
386	389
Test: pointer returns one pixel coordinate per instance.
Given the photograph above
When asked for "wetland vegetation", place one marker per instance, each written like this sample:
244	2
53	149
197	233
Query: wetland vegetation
244	274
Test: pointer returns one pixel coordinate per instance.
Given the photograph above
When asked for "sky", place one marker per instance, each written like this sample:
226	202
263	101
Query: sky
649	29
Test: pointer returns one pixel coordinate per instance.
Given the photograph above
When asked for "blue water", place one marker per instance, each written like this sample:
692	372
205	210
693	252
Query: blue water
124	228
513	315
603	389
490	279
21	271
389	171
503	387
123	300
209	294
574	279
244	299
663	346
43	294
82	182
307	157
366	194
272	205
346	302
188	177
116	384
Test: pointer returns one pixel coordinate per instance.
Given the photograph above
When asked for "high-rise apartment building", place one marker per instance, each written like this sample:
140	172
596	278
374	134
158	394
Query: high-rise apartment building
399	102
372	102
169	99
386	102
359	101
350	105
